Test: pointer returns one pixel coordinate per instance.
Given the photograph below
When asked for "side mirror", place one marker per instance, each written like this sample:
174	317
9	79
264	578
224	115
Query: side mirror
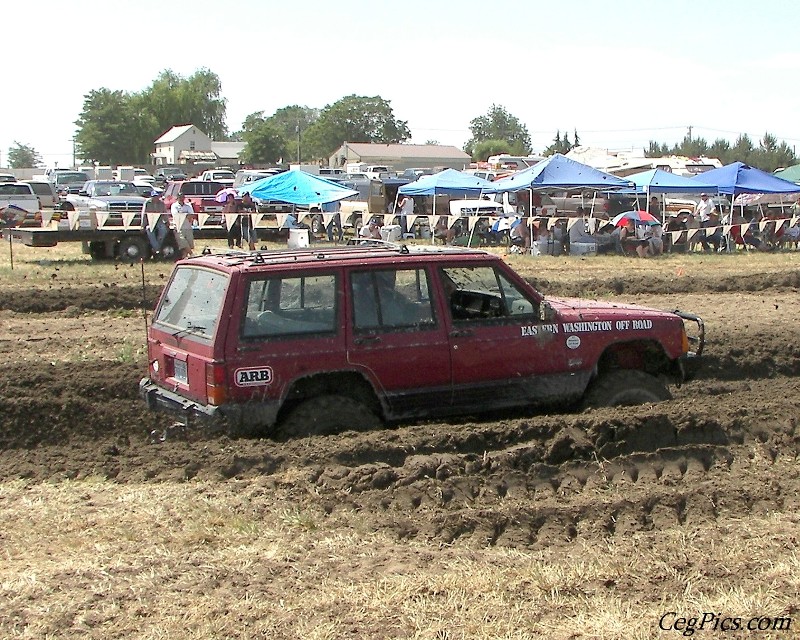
546	312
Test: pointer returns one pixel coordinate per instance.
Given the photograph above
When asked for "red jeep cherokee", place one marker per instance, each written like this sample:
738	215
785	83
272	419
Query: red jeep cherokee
319	340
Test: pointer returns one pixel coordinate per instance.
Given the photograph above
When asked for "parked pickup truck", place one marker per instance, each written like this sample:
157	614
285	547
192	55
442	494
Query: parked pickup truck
111	196
19	195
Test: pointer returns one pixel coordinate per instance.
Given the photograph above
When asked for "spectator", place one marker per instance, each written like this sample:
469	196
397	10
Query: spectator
444	233
654	208
520	236
235	228
334	226
653	244
247	207
183	218
158	233
711	237
406	209
703	210
370	231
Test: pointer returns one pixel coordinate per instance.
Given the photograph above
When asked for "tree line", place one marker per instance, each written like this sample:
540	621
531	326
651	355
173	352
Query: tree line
118	127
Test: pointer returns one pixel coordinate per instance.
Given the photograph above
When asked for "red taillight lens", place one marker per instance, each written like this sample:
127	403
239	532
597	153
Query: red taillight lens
216	388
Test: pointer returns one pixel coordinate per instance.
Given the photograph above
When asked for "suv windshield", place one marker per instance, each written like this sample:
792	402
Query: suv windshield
193	301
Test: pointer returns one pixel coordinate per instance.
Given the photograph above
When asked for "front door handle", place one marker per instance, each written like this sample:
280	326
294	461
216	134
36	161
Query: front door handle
461	333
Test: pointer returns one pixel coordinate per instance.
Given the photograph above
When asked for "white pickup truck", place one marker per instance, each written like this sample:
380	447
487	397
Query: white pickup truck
224	176
19	194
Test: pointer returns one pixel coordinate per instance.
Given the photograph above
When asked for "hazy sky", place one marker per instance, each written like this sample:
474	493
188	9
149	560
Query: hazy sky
622	73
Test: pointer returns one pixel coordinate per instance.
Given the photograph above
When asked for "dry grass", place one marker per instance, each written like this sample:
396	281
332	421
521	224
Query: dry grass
93	559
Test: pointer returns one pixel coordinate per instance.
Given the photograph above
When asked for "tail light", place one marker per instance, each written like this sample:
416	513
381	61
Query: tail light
216	387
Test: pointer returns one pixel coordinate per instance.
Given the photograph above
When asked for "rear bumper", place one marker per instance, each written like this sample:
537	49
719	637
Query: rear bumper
160	399
235	418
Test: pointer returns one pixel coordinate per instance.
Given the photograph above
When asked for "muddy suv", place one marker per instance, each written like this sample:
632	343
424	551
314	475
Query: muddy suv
320	340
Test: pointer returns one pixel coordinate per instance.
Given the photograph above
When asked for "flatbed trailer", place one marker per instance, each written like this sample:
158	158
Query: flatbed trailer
128	244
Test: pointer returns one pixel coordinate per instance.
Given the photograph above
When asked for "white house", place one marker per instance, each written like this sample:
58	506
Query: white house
182	144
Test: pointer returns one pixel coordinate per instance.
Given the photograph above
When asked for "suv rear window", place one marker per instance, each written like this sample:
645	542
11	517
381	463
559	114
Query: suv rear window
193	301
291	306
199	188
42	188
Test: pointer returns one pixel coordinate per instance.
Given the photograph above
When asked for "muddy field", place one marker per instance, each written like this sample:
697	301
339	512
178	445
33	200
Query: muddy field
692	502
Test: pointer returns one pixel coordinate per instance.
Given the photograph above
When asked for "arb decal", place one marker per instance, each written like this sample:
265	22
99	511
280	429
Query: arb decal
253	377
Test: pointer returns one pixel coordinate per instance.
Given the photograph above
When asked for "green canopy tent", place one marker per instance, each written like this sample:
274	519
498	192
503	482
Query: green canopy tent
792	174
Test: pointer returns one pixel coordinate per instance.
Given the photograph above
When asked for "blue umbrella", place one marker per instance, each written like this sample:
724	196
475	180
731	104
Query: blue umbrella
297	187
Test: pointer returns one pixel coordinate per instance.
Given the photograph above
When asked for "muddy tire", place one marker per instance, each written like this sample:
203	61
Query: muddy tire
317	225
625	387
133	249
327	414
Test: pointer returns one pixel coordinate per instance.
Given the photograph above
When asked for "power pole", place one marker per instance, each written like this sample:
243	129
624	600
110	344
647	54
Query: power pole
298	140
690	133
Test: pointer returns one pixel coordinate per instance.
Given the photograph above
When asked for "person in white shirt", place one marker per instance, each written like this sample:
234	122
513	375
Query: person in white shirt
184	234
406	209
703	209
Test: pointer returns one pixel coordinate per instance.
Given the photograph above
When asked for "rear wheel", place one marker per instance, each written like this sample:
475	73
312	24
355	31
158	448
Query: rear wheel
133	249
169	252
625	387
328	414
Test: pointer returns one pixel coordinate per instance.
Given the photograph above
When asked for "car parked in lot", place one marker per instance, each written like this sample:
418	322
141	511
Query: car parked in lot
603	204
45	191
169	174
307	341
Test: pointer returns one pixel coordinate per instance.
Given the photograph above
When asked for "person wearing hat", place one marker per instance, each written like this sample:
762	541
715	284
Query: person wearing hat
703	209
712	239
158	229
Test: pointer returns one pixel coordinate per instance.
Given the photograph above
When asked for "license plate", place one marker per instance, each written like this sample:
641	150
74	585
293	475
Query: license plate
213	209
181	371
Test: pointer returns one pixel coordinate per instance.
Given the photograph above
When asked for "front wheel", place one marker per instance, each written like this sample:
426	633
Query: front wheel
625	387
328	414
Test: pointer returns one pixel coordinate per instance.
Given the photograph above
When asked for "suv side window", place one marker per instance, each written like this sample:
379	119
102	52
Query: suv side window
481	293
283	306
391	299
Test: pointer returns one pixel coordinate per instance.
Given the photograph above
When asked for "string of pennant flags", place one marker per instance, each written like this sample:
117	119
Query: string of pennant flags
692	234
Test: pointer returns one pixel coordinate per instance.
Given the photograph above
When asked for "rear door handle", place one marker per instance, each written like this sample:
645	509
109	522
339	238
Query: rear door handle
367	340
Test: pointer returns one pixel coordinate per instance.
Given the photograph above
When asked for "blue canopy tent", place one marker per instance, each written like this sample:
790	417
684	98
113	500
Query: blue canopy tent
660	181
298	188
559	172
738	177
449	181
